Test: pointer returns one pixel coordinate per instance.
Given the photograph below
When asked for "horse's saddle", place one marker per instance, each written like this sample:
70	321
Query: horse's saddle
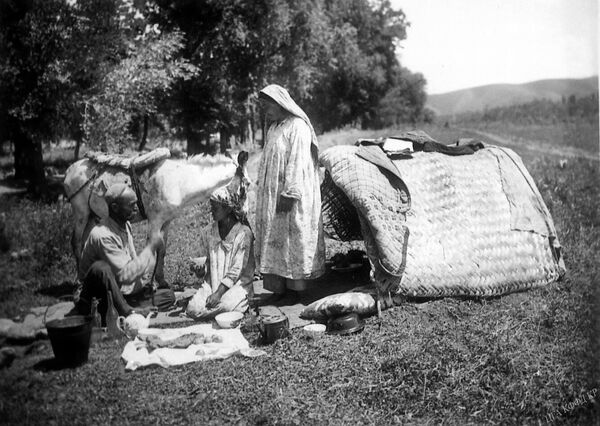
125	162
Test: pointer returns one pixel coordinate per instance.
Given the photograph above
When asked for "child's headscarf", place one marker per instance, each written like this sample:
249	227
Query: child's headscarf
233	200
282	97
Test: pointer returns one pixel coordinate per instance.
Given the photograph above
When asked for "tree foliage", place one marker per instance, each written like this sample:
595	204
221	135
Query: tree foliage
99	70
133	89
33	88
135	85
337	58
405	100
362	65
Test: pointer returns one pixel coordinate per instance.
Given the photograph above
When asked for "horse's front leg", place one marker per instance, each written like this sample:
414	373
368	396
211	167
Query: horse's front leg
159	272
79	227
76	246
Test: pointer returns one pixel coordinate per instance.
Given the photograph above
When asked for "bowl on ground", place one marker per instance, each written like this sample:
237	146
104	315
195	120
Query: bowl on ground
229	319
345	324
314	331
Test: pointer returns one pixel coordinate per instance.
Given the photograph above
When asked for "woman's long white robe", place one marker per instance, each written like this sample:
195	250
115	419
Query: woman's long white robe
289	244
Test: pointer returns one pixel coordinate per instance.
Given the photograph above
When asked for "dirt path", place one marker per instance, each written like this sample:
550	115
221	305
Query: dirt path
536	146
9	190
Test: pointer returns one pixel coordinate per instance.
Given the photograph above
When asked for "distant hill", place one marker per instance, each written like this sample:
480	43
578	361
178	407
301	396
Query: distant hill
495	95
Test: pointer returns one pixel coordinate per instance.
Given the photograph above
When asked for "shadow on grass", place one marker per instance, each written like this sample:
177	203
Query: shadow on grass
63	291
519	294
53	364
334	282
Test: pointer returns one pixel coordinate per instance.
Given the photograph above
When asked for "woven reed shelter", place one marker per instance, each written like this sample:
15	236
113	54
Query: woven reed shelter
439	225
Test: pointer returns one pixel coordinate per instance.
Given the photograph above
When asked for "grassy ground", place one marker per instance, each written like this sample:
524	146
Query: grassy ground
525	358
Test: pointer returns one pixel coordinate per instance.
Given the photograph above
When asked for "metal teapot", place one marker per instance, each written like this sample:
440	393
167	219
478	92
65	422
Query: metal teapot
273	327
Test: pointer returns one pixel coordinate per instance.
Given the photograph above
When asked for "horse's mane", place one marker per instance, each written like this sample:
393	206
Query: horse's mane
208	160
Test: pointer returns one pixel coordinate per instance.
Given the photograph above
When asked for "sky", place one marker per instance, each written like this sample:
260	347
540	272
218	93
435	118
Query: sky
458	44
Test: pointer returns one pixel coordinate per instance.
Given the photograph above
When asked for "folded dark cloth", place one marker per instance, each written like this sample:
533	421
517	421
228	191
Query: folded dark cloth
421	141
466	149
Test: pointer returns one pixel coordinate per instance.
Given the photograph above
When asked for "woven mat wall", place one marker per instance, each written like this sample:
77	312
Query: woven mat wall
458	238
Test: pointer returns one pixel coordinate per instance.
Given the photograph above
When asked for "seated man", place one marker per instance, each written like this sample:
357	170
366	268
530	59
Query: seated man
109	262
226	259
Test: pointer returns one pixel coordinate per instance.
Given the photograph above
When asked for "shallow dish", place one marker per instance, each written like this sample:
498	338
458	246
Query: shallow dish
229	319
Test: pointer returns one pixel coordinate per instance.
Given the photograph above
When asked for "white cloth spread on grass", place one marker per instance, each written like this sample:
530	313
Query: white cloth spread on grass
136	355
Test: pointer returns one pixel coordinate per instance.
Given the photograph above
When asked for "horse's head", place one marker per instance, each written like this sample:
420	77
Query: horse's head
194	179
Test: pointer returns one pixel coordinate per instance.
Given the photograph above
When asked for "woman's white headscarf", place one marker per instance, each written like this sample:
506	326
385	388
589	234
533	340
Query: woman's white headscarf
285	101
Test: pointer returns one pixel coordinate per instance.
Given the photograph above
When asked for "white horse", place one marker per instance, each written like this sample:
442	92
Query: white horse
166	188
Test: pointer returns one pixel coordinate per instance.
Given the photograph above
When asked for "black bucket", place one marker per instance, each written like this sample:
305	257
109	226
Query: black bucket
70	339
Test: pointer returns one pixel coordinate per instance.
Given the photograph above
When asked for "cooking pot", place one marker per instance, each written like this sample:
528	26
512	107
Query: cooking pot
273	327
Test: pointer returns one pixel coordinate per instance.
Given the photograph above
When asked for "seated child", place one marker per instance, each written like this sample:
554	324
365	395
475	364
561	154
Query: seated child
226	259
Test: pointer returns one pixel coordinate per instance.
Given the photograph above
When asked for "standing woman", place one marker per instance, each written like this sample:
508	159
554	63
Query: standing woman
289	234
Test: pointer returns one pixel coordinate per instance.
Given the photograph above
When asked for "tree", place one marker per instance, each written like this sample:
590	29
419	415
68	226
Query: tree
237	45
96	46
100	69
405	100
33	35
336	57
53	54
362	64
132	89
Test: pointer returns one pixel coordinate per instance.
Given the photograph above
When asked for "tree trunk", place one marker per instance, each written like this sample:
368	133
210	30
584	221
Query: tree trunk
251	113
29	162
194	144
223	139
241	134
144	133
77	148
249	133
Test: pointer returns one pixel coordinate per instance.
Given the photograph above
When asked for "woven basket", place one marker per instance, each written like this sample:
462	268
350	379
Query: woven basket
477	225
